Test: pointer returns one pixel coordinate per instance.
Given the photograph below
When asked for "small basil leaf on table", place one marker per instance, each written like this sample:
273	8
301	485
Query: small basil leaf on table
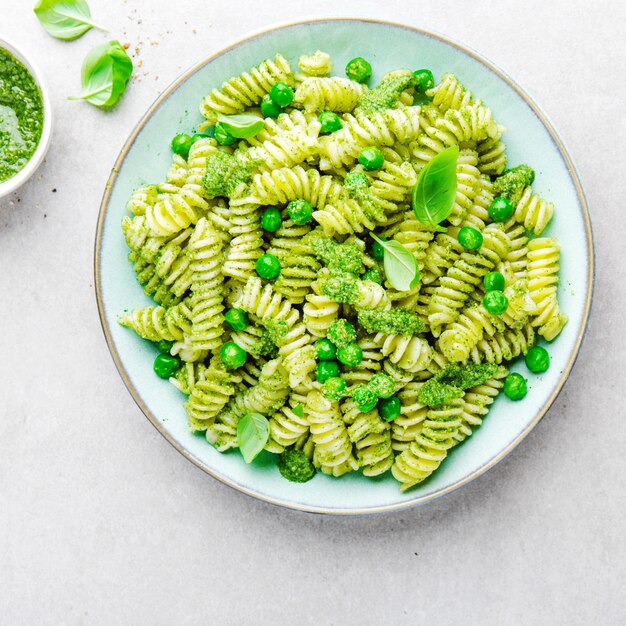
105	72
242	126
253	431
435	190
400	265
65	19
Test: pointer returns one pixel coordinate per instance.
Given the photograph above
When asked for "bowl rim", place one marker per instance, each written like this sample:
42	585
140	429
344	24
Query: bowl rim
418	499
15	182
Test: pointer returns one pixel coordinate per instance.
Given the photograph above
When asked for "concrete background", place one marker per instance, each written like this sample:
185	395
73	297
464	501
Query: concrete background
103	522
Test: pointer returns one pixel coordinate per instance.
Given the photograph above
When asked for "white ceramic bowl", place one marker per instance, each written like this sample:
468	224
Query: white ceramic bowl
13	183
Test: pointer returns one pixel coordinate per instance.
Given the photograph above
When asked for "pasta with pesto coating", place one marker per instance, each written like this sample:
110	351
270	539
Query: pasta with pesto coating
299	278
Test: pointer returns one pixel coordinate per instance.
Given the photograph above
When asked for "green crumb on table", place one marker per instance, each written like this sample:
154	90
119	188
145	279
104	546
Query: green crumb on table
21	115
341	287
295	466
385	95
453	380
512	183
224	174
345	257
341	333
394	321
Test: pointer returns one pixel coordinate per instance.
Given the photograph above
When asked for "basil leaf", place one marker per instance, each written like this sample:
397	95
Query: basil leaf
106	70
298	410
253	431
434	192
65	19
400	265
242	126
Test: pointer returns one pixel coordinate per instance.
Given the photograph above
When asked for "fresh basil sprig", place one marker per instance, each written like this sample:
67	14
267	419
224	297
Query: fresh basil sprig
242	126
65	19
400	265
106	70
434	192
253	431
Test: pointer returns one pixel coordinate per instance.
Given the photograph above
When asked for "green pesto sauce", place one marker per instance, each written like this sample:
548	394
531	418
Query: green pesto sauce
21	115
295	466
341	333
358	186
264	346
512	183
224	174
453	380
385	95
394	321
337	256
341	287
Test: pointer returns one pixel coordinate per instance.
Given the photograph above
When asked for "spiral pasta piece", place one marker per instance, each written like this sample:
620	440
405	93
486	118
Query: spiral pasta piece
533	212
247	241
449	93
316	64
319	312
408	352
177	174
186	377
289	424
467	178
339	94
491	156
175	212
408	425
264	303
156	322
441	254
543	269
210	394
371	437
425	454
333	450
503	346
344	217
247	89
205	252
141	199
476	403
415	237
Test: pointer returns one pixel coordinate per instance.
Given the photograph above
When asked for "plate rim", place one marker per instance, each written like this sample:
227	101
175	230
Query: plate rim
103	209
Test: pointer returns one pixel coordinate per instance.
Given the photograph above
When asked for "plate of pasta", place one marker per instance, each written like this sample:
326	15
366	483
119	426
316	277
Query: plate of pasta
354	277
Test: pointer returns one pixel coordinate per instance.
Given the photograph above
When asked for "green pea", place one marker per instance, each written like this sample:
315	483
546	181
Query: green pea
268	266
373	274
537	360
334	388
494	281
371	158
378	252
232	355
364	398
281	94
164	346
350	355
269	108
325	350
326	370
382	385
358	69
470	238
222	136
271	220
515	386
165	365
199	136
300	211
501	209
330	122
424	80
389	408
237	319
495	302
181	144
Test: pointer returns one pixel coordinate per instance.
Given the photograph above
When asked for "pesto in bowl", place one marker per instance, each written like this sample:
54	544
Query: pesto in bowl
21	115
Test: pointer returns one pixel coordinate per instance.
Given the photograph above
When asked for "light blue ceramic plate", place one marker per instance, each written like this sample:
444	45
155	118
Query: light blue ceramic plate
530	139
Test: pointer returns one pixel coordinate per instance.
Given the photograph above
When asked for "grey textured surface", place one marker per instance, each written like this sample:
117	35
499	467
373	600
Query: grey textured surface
102	521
